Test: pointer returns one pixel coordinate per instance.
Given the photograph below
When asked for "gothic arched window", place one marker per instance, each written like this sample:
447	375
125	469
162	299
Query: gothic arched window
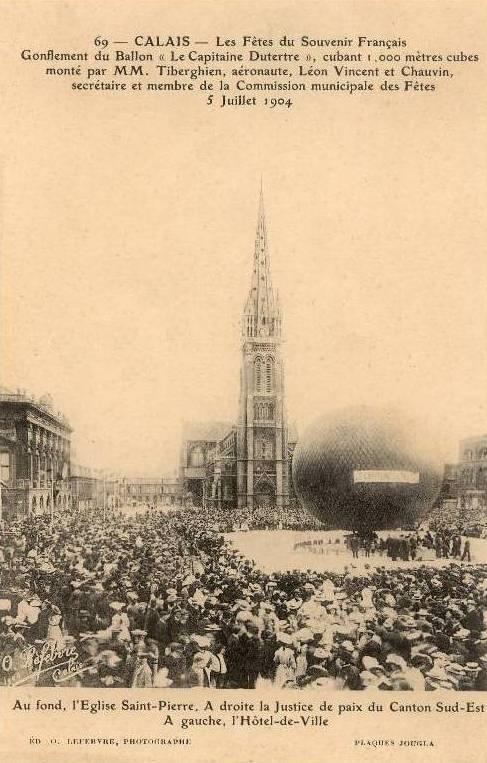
258	374
197	457
264	449
269	375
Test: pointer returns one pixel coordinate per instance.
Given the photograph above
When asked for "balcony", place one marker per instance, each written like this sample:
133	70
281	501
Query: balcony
41	483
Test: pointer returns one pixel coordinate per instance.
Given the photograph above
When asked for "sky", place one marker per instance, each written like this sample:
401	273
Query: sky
127	231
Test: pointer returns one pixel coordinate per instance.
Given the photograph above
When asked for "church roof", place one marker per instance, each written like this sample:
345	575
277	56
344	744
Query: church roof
208	431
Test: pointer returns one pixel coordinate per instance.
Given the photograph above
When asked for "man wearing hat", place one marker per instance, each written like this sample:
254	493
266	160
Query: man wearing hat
175	662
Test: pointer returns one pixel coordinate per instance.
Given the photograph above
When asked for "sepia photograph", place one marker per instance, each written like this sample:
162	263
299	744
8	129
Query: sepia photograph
243	388
344	557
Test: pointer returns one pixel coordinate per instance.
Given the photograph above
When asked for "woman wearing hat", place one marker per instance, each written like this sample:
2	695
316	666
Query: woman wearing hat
204	666
284	660
120	621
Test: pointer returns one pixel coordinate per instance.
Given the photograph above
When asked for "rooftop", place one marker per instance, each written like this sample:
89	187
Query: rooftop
208	431
44	403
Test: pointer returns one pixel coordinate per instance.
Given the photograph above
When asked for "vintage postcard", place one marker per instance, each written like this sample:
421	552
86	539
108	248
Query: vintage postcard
243	397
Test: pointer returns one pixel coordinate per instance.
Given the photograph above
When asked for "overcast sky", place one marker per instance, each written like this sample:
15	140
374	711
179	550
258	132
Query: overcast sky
127	232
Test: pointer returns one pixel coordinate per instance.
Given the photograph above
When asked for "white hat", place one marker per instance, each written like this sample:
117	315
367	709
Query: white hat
396	659
284	638
117	605
370	663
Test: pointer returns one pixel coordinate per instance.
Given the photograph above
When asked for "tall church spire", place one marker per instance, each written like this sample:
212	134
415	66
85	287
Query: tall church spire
262	447
260	315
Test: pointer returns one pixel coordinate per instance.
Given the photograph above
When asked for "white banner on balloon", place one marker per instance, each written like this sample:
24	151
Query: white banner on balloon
385	475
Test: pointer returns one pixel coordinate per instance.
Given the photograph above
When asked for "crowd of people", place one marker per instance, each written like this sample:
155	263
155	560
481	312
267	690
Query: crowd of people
422	545
165	600
456	513
270	517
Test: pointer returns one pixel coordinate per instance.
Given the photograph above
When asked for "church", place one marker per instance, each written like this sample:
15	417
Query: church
247	464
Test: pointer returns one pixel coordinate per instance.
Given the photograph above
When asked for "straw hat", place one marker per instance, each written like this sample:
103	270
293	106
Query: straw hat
396	659
370	663
284	638
202	641
305	635
117	605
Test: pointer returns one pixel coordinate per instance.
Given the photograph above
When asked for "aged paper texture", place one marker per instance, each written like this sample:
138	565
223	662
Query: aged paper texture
243	449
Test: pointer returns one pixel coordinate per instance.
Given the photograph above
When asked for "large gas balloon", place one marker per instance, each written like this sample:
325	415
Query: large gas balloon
363	468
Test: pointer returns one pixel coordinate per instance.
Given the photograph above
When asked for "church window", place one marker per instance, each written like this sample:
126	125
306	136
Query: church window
269	375
197	457
483	453
5	466
264	449
258	374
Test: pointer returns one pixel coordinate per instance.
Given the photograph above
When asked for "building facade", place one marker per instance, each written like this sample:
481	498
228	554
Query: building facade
197	455
170	490
84	487
463	497
142	490
472	472
35	447
247	464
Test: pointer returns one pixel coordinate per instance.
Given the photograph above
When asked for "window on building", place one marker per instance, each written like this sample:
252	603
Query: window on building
269	375
468	455
197	457
264	449
5	466
258	374
483	453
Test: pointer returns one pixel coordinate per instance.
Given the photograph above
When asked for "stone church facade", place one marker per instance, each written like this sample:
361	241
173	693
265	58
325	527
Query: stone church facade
247	464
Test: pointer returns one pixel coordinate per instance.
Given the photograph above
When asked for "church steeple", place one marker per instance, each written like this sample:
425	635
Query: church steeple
262	450
261	314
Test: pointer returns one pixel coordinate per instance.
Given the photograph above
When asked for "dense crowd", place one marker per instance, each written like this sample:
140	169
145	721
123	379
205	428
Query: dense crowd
424	545
271	517
472	518
164	600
